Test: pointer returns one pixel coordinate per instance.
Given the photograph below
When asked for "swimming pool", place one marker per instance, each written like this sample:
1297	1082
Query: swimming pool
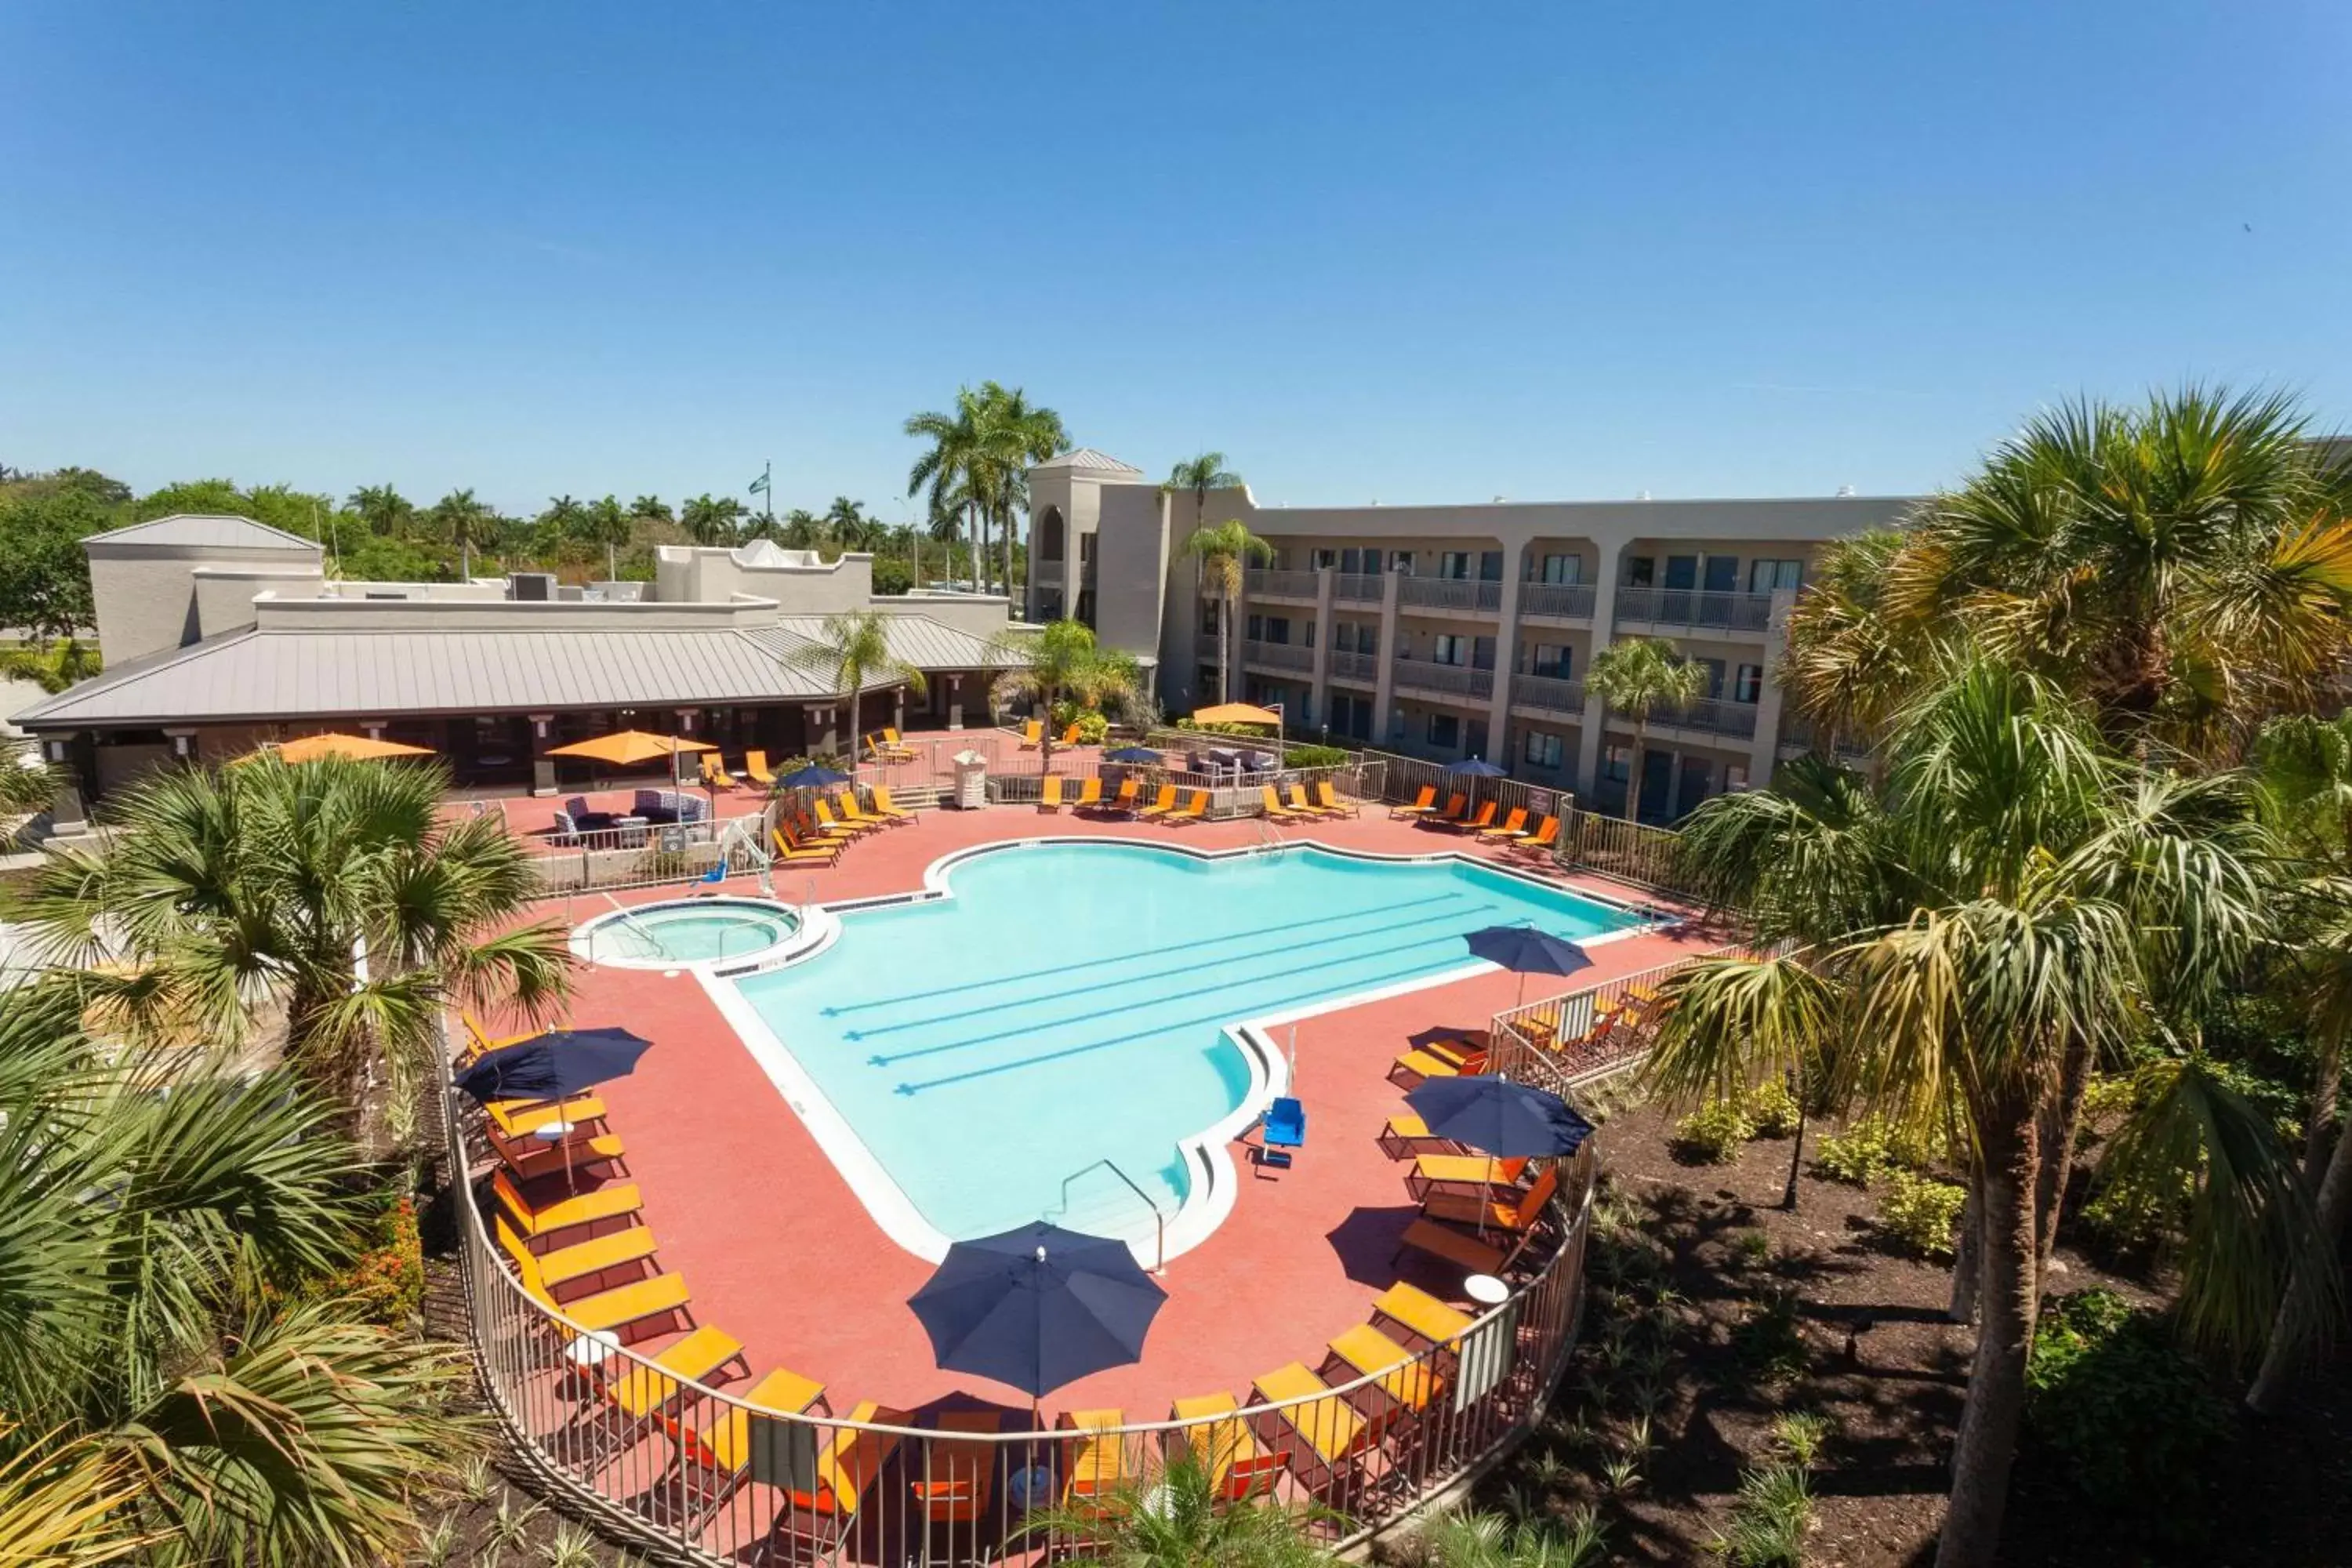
685	931
961	1058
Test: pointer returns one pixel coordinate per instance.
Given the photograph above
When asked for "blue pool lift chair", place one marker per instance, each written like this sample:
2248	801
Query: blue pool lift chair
1282	1129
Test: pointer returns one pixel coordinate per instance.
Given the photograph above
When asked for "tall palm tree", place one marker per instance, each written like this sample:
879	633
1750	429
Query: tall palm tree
334	892
153	1371
1850	666
852	526
1221	553
711	519
1200	474
955	470
2017	901
1061	660
383	508
852	652
1640	676
802	529
606	523
2186	565
565	515
1014	433
469	524
651	509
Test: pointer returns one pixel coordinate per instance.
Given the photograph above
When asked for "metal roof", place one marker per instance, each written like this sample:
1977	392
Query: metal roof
283	673
1088	461
205	531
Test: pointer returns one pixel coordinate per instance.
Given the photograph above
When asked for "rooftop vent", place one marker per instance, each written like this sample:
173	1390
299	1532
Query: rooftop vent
536	587
1643	496
1845	489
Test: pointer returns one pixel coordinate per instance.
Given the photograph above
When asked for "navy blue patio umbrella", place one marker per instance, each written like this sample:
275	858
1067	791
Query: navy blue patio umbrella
1142	756
1527	951
553	1066
1496	1116
815	775
1037	1307
1474	769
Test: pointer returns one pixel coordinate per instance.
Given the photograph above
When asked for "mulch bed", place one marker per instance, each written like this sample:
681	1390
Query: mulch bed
1873	1351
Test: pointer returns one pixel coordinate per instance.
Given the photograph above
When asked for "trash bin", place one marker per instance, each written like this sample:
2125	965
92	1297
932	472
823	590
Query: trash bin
971	781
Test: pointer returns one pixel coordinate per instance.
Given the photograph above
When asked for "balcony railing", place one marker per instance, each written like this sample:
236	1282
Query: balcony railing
1046	571
1695	608
1277	655
1557	601
1454	680
1357	587
1451	593
1360	667
1205	644
1265	582
1711	716
1548	693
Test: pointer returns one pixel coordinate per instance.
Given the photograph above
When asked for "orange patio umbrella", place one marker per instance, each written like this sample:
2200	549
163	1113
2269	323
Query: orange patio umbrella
355	748
1236	714
629	748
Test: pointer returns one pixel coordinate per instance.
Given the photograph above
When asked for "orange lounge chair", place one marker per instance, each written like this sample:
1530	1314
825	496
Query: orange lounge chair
1479	823
793	850
1544	838
644	1392
1473	1175
1423	804
1161	804
1241	1468
1418	1065
1089	796
521	1118
531	1157
1069	737
1124	801
1095	1461
1032	734
716	1459
1407	1136
1514	826
1332	801
884	806
1275	809
1049	793
1365	1352
1329	1429
962	1475
755	768
1471	1253
1196	809
715	774
644	1300
582	1261
1305	807
1510	1211
544	1221
848	1464
1420	1315
1456	805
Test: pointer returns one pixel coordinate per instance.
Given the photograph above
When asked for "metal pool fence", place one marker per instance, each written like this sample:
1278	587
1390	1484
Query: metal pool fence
700	1474
1565	1041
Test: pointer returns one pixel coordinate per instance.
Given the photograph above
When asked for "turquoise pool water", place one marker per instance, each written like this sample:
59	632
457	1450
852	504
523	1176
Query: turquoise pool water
1067	1005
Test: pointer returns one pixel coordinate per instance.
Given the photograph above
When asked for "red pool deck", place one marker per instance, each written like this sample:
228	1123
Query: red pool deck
780	1252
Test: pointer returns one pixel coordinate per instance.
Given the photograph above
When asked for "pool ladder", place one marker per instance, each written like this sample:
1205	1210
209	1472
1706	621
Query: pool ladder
1158	1220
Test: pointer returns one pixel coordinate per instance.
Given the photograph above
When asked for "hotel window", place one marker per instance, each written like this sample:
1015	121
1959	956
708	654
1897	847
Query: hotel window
1682	572
1565	570
1343	636
1277	628
1764	576
1482	653
1351	563
1086	548
1617	764
1454	565
1445	732
1490	566
1750	686
1368	640
1401	562
1713	668
1722	574
1542	749
1447	649
1321	558
1474	739
1310	634
1641	571
1553	663
1208	608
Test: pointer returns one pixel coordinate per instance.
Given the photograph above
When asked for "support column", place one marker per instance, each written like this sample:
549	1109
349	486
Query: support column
542	766
1236	646
373	728
818	720
1507	658
1319	690
1764	755
1604	617
69	815
955	701
686	717
1384	673
899	709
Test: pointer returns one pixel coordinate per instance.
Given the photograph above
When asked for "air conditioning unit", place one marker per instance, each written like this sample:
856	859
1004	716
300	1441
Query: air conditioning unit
538	587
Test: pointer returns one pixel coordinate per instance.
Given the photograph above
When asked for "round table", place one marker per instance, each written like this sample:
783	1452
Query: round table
1485	1289
552	1133
590	1351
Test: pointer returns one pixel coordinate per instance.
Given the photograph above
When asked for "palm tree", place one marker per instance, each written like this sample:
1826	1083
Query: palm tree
853	650
1221	553
158	1382
2186	565
1176	1517
1063	659
333	893
802	529
711	519
1638	677
1848	665
384	509
603	522
2018	902
1016	432
852	526
469	524
651	509
954	470
565	517
1200	474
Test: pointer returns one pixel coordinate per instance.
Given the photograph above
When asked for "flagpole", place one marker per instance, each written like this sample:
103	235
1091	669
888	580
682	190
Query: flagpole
768	490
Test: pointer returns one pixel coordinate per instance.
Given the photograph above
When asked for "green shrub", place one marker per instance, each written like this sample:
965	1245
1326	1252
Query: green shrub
1921	1212
385	1280
24	788
1769	1520
2126	1413
1714	1132
1768	1344
2139	1212
2107	1098
1867	1149
1772	1111
1314	756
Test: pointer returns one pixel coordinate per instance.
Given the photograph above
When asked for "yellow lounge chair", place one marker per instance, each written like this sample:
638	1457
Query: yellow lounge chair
791	850
1421	1315
1196	809
1241	1468
755	768
714	1460
1332	801
1511	1211
1473	1173
858	816
1303	806
1514	826
714	773
1125	800
1423	804
623	1306
1470	1253
542	1222
884	806
1032	734
1095	1461
1049	793
521	1118
1478	823
1089	796
480	1039
886	747
1164	802
848	1464
1418	1065
897	743
828	823
1330	1429
1407	1135
1365	1352
581	1260
1069	737
1275	809
645	1391
531	1157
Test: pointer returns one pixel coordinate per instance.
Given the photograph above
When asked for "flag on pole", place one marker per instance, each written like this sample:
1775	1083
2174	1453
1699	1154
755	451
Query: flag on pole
758	485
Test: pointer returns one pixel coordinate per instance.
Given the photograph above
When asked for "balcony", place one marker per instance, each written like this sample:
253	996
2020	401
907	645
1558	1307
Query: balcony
1364	668
1451	594
1205	644
1709	716
1045	571
1457	681
1555	601
1547	694
1356	587
1277	655
1267	584
1693	607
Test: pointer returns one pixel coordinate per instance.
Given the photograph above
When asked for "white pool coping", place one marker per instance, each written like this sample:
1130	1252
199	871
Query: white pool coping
814	929
1207	1155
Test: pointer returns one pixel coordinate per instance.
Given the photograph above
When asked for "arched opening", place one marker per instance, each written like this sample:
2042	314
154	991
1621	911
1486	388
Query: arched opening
1049	534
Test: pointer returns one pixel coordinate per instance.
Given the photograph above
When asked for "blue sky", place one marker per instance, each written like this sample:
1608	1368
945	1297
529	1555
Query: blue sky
1405	253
